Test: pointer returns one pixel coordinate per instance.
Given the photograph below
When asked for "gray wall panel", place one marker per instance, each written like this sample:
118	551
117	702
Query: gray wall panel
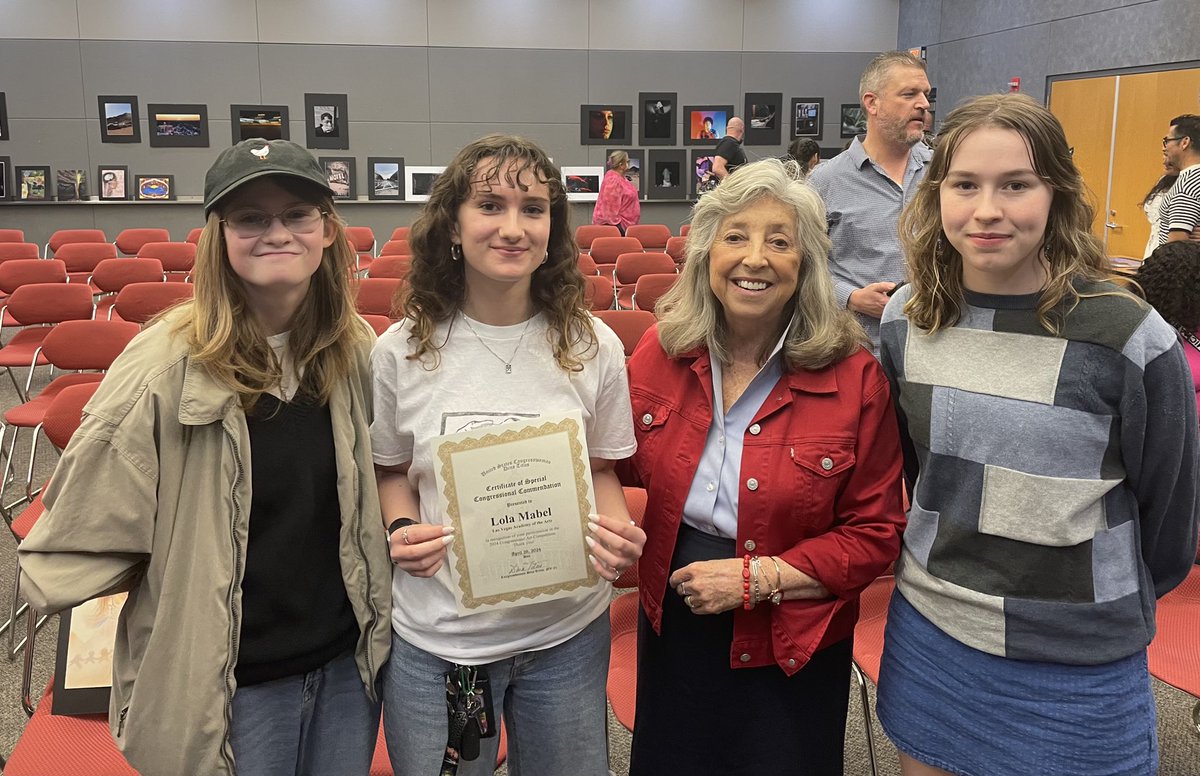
561	141
363	22
215	20
391	138
666	25
506	85
39	19
966	18
819	25
698	77
216	74
531	24
1151	33
920	23
984	64
49	83
60	143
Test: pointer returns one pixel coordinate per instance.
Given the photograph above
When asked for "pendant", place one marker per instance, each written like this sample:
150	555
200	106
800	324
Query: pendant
508	369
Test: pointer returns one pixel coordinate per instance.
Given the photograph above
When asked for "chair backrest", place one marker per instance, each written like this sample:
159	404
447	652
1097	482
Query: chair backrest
585	234
18	250
64	236
65	413
362	238
400	233
175	256
20	272
629	325
631	266
605	250
653	237
599	292
375	296
12	235
676	248
35	303
87	345
83	257
635	499
649	288
390	267
194	235
111	275
139	302
130	241
683	230
396	248
587	265
379	323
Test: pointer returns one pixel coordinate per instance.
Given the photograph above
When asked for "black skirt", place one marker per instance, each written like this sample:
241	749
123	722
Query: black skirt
697	715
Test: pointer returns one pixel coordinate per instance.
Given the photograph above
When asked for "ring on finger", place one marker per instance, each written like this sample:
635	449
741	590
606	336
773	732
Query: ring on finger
404	535
682	590
687	599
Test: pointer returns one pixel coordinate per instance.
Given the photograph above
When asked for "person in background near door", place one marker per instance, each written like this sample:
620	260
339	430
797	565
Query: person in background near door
1179	215
806	153
866	186
617	203
1152	205
1171	282
729	154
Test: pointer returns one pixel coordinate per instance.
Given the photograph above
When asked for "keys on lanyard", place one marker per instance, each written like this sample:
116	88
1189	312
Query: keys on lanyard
467	717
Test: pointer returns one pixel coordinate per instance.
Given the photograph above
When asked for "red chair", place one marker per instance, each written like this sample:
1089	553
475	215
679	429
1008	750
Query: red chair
20	272
55	744
130	241
586	265
111	275
653	237
623	616
585	234
362	239
631	266
380	323
605	251
629	325
64	236
649	288
18	250
139	302
177	258
683	230
676	247
12	235
390	267
81	258
377	296
38	307
868	649
1173	654
400	233
599	293
194	235
396	248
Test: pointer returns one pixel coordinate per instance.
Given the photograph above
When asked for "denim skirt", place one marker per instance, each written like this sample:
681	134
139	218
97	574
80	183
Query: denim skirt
977	714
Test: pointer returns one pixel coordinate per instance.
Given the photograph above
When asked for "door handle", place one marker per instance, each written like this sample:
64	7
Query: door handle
1111	225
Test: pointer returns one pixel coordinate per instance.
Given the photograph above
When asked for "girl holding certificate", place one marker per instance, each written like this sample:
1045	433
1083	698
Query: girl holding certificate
496	329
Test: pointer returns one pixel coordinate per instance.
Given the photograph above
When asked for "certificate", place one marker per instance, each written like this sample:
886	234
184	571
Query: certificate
518	495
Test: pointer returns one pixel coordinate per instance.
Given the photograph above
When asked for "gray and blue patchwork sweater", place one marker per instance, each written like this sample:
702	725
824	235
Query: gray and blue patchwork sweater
1053	478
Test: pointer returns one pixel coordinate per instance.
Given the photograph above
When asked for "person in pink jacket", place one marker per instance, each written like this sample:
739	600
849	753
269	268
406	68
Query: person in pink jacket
618	202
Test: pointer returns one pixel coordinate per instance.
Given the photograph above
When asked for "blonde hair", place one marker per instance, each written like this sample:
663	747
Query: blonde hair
617	158
819	332
1070	250
229	342
879	70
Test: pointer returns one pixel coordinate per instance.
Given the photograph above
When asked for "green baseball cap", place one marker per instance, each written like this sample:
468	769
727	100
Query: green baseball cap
256	158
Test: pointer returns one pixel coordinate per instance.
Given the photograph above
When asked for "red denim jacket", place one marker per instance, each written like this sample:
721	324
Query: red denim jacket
824	455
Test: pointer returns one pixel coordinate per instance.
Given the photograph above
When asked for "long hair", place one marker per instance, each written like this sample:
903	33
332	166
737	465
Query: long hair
1070	250
437	287
1164	183
690	315
226	338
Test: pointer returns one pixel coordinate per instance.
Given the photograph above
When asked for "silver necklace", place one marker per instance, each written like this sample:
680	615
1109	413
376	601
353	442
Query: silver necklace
517	349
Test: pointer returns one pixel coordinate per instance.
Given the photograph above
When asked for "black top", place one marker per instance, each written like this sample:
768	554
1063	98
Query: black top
731	149
296	615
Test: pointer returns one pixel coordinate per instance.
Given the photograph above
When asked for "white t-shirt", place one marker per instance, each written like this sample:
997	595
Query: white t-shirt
469	389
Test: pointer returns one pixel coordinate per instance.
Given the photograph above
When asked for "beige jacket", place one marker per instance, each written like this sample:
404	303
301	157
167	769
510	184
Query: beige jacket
152	496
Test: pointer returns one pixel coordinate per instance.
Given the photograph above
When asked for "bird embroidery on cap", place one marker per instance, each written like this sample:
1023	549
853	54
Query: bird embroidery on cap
261	153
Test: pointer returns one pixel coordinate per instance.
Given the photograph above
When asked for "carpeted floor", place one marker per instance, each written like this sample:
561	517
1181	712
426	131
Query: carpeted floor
1179	745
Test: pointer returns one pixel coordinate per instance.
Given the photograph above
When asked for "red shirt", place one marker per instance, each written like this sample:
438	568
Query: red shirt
824	454
617	203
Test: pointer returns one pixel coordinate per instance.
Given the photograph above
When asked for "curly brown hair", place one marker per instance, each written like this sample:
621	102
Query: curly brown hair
1170	278
436	286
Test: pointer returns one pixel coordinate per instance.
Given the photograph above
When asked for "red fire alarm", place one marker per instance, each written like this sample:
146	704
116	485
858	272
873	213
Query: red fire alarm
1014	84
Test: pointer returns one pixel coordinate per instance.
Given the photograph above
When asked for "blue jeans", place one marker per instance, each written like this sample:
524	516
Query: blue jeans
553	705
316	723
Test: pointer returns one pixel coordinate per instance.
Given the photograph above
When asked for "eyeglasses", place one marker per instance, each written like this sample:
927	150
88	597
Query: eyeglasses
300	219
1168	139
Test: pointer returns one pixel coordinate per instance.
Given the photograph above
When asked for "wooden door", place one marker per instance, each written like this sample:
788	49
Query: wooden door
1085	108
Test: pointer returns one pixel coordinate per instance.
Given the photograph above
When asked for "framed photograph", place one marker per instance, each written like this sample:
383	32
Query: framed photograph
637	163
667	173
808	116
658	116
154	188
3	118
701	178
325	121
119	120
83	660
339	171
112	182
6	191
178	126
385	177
705	124
604	124
582	183
270	122
853	119
418	182
71	185
32	183
764	118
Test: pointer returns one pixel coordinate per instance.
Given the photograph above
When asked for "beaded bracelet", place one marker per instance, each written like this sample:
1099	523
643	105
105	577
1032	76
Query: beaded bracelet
746	603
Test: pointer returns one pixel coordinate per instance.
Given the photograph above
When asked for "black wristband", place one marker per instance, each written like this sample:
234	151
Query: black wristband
398	523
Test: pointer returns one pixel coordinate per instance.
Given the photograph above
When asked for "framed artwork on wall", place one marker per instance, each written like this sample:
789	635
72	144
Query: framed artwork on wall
113	182
326	124
637	164
119	120
705	124
339	171
582	183
763	117
658	112
71	185
32	183
808	116
83	660
701	178
6	192
853	120
270	122
385	177
666	173
604	124
177	125
154	188
3	118
418	182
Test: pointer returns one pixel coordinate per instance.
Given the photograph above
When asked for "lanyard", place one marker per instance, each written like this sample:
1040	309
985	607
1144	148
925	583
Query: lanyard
1188	337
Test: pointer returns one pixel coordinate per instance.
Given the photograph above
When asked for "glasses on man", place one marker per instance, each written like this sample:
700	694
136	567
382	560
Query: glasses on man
1169	138
299	219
